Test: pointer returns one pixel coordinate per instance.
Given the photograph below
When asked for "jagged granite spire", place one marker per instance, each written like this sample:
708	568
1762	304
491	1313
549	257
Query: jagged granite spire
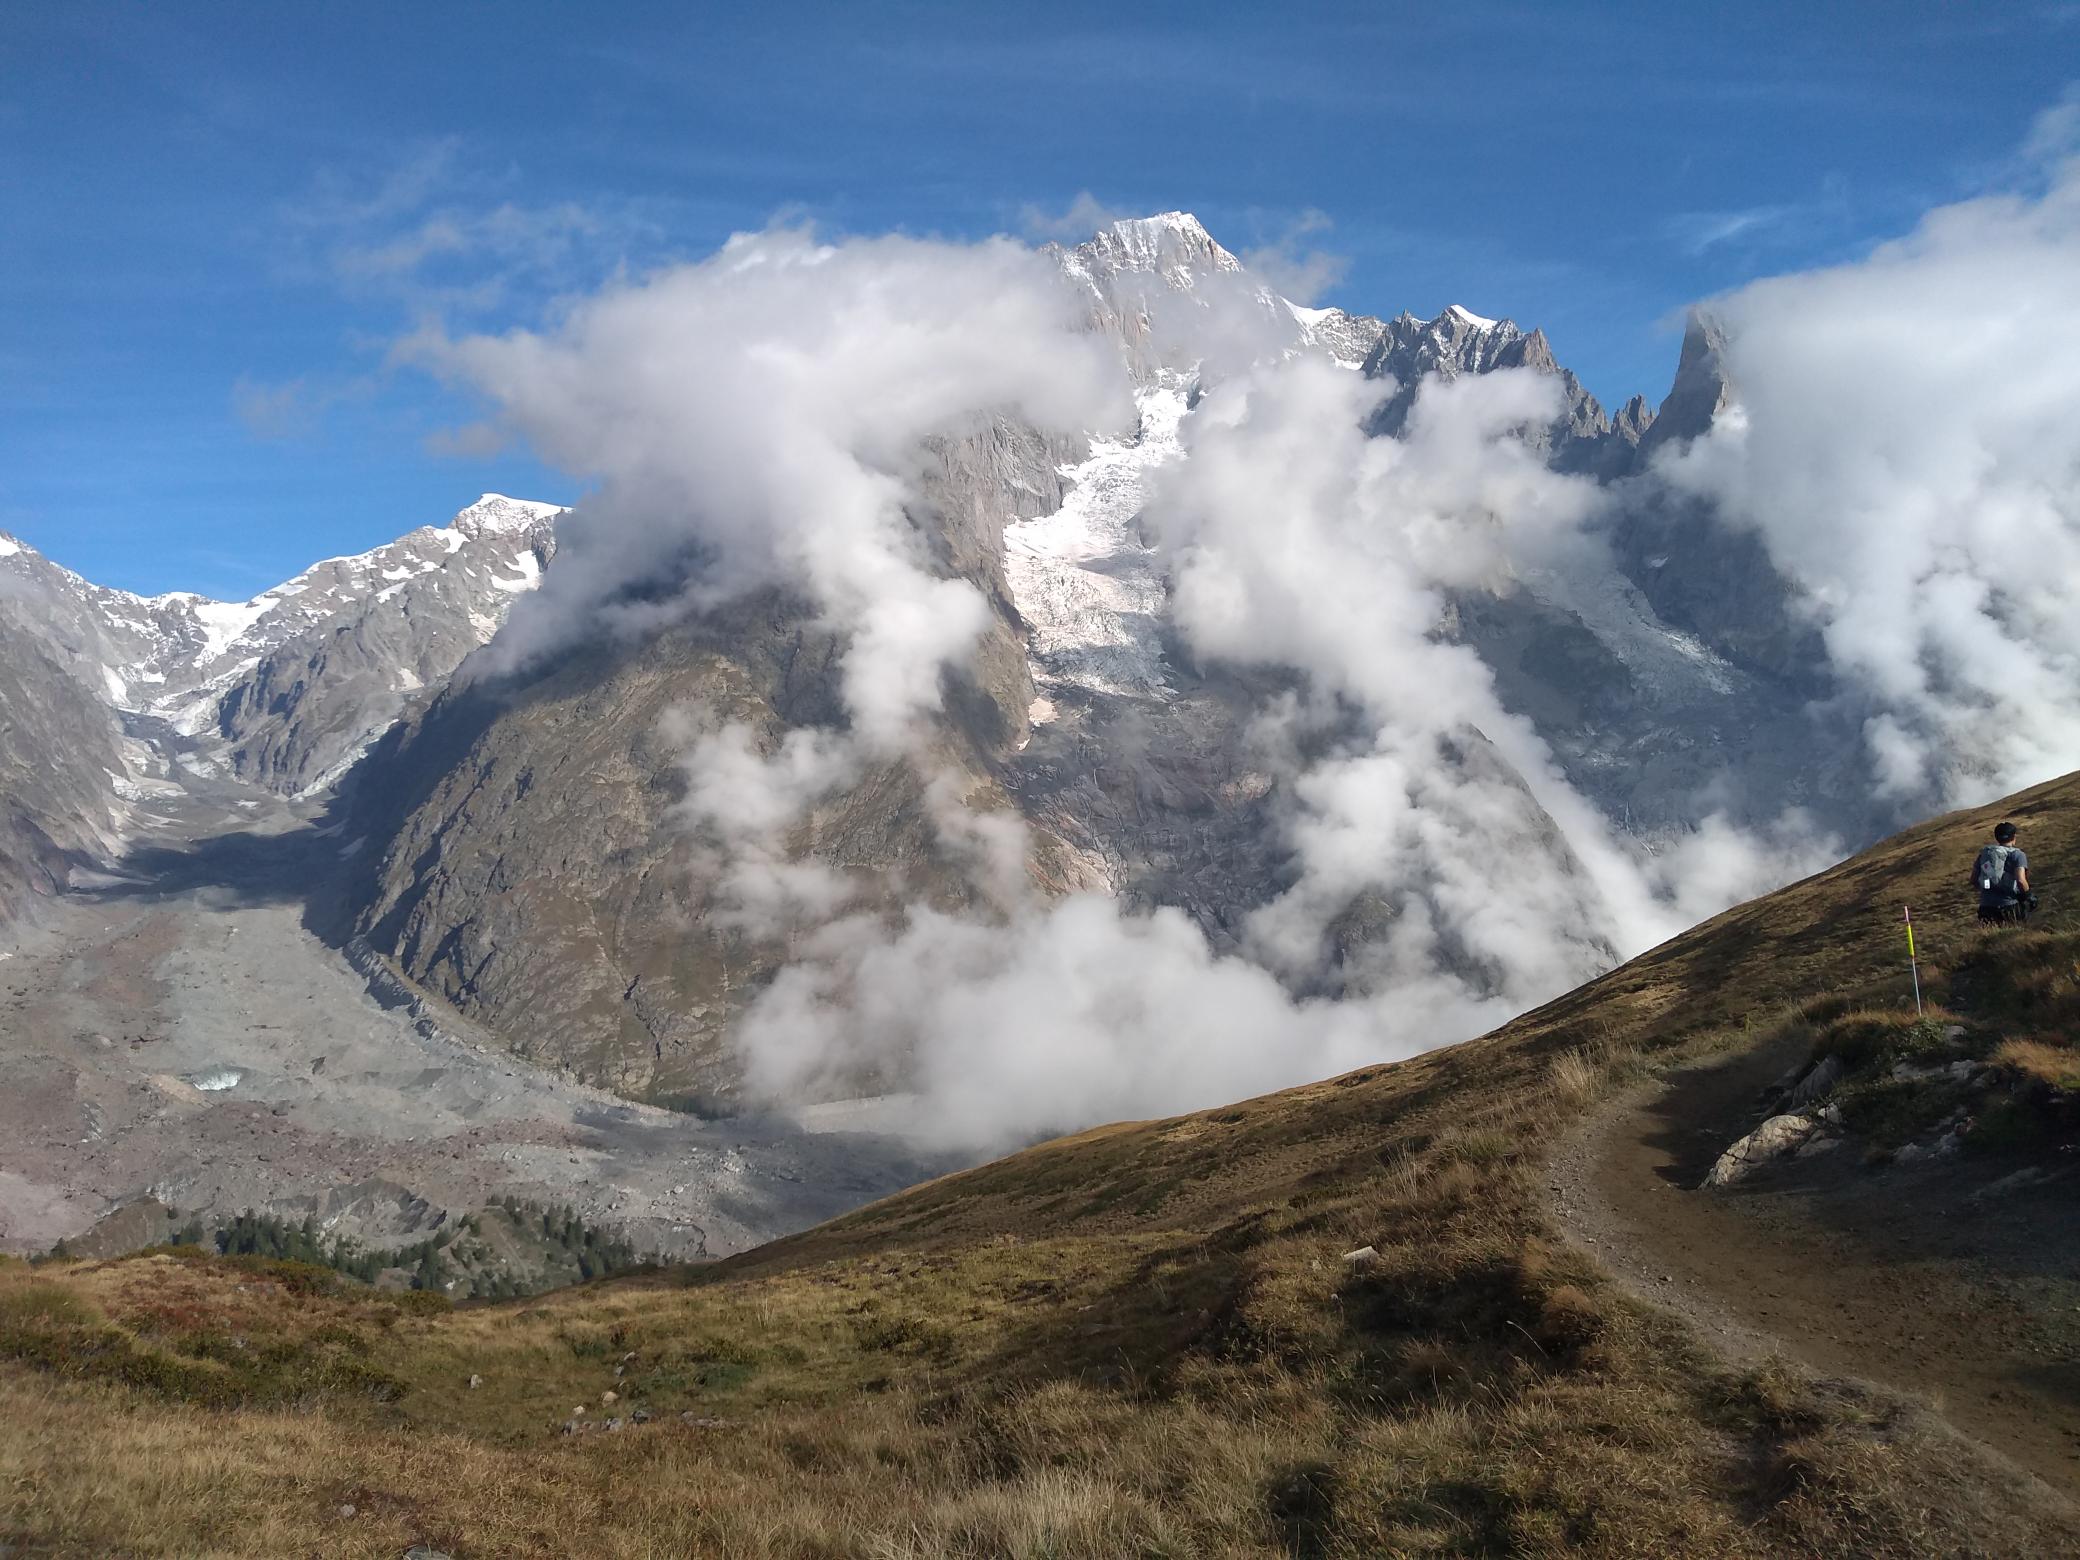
1701	390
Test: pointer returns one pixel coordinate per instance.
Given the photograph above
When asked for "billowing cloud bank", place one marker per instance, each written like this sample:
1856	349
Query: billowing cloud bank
1907	444
1295	541
755	419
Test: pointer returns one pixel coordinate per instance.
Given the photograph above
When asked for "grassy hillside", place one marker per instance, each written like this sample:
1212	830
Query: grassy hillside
1144	1340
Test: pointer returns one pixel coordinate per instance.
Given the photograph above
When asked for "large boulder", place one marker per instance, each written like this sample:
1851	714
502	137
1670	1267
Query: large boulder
1777	1138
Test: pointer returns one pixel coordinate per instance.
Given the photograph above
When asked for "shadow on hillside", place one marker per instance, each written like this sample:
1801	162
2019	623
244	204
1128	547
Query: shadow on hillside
1703	1109
295	865
324	865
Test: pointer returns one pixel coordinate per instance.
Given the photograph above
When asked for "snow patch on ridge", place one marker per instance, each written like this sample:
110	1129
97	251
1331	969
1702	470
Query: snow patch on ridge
494	512
224	623
530	568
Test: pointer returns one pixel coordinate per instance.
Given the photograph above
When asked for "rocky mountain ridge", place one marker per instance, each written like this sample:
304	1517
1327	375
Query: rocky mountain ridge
1154	283
283	692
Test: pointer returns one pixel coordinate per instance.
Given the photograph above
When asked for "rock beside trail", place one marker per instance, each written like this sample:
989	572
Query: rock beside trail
1774	1139
1944	1145
1818	1083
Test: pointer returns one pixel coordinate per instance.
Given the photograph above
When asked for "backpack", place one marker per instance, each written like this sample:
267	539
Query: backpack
1990	871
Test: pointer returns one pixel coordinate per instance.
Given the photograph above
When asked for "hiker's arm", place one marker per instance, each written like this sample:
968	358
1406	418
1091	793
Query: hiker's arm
2022	878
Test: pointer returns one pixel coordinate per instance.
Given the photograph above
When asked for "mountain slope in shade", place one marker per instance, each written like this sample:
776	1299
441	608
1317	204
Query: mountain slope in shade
526	863
61	767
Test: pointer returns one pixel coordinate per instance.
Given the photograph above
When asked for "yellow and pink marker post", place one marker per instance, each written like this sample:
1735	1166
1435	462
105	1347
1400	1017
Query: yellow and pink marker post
1913	964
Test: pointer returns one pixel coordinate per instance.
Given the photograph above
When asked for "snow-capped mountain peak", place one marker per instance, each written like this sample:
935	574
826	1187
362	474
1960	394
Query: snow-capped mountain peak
1172	246
1151	279
1175	243
494	514
287	686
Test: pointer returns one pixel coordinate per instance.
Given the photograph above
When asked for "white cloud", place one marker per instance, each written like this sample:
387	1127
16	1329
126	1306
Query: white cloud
1082	217
741	805
1907	450
755	419
1072	1013
1293	540
1295	267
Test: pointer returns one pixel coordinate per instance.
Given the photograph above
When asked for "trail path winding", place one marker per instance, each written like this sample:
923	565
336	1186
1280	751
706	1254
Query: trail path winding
1936	1282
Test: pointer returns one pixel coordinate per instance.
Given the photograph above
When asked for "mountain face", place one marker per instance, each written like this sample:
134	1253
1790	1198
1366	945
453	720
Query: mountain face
349	646
520	840
60	757
528	862
532	870
282	692
609	952
1715	581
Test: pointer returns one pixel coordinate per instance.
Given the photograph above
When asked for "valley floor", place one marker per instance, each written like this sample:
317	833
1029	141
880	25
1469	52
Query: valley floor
177	1033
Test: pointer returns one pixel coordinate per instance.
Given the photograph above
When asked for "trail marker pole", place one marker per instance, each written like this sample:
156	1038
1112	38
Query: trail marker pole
1913	963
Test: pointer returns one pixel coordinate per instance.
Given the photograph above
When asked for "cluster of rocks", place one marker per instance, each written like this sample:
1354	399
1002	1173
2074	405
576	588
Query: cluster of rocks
581	1422
1805	1121
578	1424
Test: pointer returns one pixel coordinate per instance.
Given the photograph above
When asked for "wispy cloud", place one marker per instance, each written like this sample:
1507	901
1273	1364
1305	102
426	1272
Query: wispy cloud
2055	137
1079	220
291	408
437	238
1832	212
1698	231
1299	269
441	234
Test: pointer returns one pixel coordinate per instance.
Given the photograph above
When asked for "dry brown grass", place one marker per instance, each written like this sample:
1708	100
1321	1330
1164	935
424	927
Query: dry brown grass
1142	1340
2053	1064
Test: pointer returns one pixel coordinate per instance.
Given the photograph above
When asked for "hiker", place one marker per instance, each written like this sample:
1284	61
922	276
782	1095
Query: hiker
2001	875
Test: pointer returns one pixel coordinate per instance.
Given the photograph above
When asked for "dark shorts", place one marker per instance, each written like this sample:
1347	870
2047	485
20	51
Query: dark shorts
2003	912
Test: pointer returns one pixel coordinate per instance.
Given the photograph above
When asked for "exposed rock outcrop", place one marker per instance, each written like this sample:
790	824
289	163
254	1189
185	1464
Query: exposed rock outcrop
1777	1138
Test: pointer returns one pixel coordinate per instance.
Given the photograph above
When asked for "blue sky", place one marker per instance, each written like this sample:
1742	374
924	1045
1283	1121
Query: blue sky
218	218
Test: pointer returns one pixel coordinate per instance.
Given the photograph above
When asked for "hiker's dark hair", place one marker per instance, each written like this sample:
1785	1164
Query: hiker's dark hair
2004	832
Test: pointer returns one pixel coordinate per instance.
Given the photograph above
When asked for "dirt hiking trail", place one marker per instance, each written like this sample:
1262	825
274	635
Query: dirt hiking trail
1932	1281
